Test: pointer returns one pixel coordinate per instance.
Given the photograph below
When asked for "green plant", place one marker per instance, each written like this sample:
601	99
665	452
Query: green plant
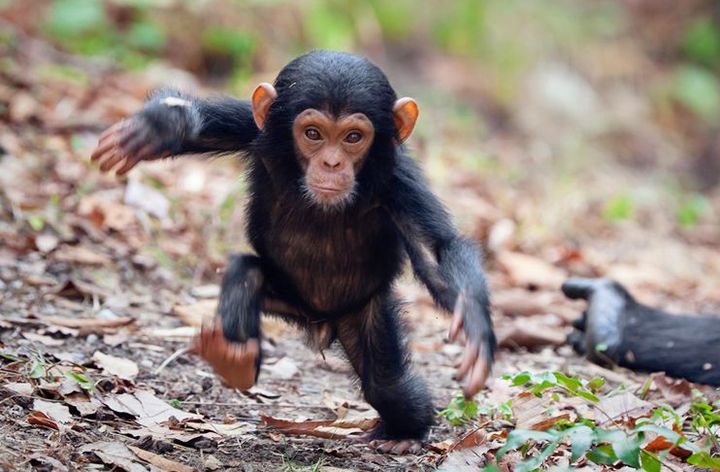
459	410
615	444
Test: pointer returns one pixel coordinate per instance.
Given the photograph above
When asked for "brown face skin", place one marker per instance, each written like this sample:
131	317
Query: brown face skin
331	152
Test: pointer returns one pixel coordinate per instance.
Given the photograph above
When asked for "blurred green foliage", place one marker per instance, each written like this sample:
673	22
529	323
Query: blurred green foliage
618	208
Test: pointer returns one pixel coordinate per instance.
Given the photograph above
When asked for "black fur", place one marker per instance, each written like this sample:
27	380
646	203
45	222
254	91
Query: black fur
335	267
643	338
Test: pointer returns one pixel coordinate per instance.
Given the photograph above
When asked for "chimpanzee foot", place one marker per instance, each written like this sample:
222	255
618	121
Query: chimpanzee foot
599	333
235	363
397	446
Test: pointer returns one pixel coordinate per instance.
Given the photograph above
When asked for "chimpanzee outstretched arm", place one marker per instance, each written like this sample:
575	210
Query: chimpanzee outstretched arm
172	123
448	264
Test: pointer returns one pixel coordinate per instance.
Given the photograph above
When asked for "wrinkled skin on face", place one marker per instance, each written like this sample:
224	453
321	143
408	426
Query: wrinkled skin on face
331	151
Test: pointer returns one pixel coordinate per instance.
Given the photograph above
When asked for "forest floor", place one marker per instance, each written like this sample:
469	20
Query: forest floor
103	281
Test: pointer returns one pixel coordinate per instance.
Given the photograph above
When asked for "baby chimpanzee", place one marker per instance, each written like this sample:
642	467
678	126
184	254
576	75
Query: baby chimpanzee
335	206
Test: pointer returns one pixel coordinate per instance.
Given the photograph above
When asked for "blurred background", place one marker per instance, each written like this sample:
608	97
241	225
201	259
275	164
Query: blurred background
575	131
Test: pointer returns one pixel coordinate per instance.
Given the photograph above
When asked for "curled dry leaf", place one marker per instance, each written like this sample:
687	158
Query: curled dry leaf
87	323
160	461
531	332
80	255
123	368
328	429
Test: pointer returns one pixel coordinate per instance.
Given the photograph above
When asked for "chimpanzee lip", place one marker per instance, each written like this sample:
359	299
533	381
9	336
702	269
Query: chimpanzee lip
326	189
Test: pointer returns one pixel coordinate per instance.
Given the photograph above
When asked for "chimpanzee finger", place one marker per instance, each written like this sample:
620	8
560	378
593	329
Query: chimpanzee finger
457	320
478	376
102	149
580	288
469	357
111	161
111	132
131	162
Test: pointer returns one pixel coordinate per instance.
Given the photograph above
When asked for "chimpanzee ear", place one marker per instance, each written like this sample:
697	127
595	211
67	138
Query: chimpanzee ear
405	113
262	98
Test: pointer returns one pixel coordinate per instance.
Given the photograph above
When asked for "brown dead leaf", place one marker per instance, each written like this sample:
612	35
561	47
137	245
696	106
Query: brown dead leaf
39	418
626	407
115	455
87	323
107	214
22	388
45	340
80	255
53	410
159	461
328	429
532	332
76	289
674	391
530	412
85	406
520	302
118	366
146	407
193	315
530	271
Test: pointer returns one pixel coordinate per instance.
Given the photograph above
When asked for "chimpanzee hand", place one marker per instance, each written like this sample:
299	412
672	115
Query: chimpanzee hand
472	315
235	363
599	333
156	132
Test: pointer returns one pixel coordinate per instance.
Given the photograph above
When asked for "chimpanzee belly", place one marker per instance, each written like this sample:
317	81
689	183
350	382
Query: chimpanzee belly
331	263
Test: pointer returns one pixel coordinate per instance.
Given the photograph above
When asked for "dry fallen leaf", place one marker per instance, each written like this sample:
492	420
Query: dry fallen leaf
115	455
329	429
87	323
123	368
53	410
46	340
531	412
529	271
146	407
625	406
80	255
194	314
159	461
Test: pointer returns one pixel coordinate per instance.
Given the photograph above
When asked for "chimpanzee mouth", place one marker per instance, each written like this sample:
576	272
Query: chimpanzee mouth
328	197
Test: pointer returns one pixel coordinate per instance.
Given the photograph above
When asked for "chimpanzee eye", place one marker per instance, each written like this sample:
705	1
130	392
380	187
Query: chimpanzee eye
313	134
353	137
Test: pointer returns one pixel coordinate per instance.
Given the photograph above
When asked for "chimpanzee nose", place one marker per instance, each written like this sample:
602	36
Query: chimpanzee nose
332	160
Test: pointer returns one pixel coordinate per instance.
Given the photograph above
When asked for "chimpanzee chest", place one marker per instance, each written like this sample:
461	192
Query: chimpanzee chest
334	261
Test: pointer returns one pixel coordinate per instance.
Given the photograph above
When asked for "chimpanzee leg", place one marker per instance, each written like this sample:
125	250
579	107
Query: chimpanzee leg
374	344
231	345
618	329
240	298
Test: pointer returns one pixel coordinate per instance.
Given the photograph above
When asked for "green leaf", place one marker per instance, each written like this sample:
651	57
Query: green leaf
691	210
702	41
37	222
698	90
534	462
596	383
618	208
667	433
82	379
518	437
587	396
649	462
581	438
704	459
37	370
73	17
602	455
628	450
